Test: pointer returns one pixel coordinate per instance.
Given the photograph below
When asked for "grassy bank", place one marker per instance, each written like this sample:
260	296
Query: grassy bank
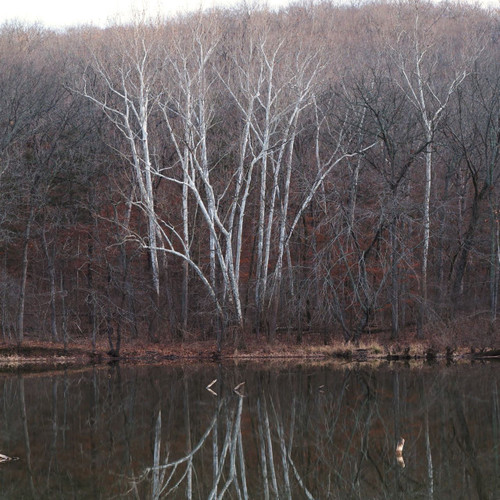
456	345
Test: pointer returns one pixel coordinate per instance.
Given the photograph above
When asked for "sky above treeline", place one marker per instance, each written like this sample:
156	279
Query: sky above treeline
63	13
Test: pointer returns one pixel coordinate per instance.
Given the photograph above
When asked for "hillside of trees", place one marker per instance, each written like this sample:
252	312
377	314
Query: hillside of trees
322	168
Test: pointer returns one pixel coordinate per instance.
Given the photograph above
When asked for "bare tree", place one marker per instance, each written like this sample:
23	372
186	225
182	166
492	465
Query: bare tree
417	54
123	84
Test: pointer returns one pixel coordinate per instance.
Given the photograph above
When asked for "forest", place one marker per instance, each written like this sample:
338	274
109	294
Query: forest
238	173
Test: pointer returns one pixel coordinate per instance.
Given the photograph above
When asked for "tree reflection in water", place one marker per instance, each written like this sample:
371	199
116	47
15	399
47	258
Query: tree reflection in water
311	432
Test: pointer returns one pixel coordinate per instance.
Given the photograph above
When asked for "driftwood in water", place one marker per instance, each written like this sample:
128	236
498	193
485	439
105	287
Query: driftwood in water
491	353
399	452
5	458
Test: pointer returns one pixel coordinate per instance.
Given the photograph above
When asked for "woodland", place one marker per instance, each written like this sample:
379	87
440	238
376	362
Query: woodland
246	173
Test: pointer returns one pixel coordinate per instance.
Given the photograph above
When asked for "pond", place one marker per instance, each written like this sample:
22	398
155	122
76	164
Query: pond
290	431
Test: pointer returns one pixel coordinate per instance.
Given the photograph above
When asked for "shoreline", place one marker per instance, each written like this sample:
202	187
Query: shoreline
38	356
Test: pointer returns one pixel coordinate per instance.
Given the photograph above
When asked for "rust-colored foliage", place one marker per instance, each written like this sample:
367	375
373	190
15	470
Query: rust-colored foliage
337	184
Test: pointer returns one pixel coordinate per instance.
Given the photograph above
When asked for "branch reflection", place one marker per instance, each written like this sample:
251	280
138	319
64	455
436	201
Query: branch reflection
288	433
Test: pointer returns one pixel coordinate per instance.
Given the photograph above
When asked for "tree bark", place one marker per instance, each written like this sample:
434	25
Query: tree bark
24	275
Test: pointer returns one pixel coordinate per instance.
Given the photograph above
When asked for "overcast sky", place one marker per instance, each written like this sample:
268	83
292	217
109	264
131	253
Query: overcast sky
63	13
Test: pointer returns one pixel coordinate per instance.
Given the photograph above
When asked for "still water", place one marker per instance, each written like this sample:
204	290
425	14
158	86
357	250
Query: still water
290	431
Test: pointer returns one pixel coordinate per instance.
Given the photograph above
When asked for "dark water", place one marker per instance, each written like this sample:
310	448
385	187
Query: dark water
293	432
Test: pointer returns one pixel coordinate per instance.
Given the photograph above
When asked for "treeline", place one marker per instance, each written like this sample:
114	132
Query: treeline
322	168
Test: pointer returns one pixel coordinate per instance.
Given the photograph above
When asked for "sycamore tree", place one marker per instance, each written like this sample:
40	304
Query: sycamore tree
122	80
430	73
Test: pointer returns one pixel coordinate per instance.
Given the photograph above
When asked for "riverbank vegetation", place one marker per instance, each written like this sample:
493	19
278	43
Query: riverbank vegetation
321	173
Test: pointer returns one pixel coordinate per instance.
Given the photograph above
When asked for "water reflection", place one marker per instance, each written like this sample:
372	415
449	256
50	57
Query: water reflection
295	432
